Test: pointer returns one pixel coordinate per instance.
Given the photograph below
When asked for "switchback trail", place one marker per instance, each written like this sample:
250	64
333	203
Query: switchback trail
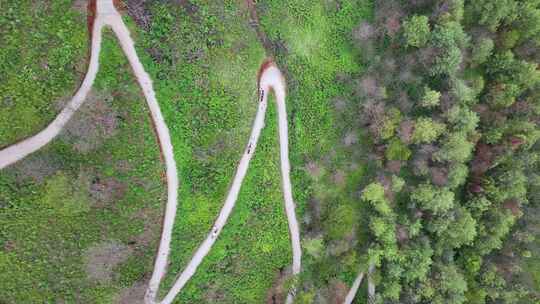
107	15
270	78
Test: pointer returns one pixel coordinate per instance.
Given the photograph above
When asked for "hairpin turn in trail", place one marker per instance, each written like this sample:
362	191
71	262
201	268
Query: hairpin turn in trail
269	78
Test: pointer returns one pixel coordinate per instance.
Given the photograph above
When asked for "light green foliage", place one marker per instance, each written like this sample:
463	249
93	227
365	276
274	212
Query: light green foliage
416	31
417	261
64	198
467	94
305	297
431	98
448	37
528	22
509	39
463	119
455	12
502	95
206	84
476	81
451	286
457	175
391	290
510	182
397	150
447	63
526	130
340	222
461	230
448	34
391	121
429	197
382	229
481	50
478	204
492	233
397	183
456	148
493	13
314	247
374	194
426	130
311	42
505	68
53	221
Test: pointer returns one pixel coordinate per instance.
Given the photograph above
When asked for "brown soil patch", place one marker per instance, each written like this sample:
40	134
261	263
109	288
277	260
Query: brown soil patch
132	295
151	218
138	10
37	166
364	31
339	178
80	6
102	258
277	294
313	169
350	139
254	22
340	104
92	124
394	166
337	291
214	294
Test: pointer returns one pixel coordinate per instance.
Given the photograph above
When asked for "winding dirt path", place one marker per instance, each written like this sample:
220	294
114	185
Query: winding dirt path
106	14
270	78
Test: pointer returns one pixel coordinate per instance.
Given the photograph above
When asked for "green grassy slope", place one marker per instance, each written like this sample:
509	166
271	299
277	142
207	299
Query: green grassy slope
56	204
205	79
42	58
203	57
313	43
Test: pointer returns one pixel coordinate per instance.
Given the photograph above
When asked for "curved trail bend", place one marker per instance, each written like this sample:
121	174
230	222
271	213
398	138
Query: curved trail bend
107	15
270	79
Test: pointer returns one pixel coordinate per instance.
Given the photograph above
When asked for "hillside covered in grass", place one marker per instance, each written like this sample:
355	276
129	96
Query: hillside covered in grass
413	133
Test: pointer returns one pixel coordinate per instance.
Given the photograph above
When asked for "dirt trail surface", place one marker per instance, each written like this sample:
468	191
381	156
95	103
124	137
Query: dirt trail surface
356	285
354	289
270	78
107	15
371	284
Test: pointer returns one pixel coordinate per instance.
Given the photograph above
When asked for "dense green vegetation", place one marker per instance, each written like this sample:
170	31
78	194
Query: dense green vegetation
43	44
329	149
413	139
205	58
455	130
